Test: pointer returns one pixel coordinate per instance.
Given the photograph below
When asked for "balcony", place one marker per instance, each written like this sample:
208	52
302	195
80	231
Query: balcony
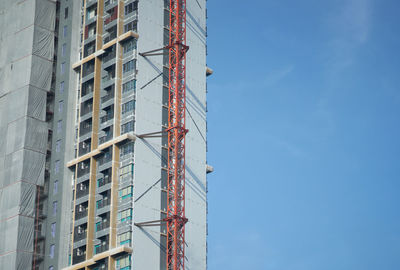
107	97
84	147
107	117
110	34
79	236
81	193
83	171
87	70
101	248
102	225
85	130
106	158
78	258
86	108
103	181
112	15
109	3
82	214
103	203
106	138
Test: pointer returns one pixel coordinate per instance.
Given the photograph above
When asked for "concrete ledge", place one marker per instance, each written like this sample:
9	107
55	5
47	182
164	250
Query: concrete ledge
101	147
98	257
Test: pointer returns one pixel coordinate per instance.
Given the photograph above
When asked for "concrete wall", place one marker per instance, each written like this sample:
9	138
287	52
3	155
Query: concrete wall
26	60
65	93
146	247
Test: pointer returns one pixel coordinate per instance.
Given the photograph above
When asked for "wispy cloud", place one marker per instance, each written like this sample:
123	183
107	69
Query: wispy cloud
277	75
350	28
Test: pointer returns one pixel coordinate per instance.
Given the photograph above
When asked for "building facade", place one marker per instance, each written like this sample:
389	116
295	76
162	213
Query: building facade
74	150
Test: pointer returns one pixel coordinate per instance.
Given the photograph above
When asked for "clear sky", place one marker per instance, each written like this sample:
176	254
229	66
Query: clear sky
304	135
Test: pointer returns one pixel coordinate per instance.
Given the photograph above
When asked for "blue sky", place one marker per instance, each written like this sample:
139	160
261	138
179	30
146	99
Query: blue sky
304	135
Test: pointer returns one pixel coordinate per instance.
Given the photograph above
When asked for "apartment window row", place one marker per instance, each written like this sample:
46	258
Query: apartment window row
128	86
128	107
125	215
130	46
126	149
124	263
124	238
128	169
129	66
129	8
128	127
131	26
126	192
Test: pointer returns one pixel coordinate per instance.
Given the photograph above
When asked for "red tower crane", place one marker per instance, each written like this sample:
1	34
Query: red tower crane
176	219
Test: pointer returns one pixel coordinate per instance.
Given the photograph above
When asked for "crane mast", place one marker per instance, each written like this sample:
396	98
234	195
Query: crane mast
176	219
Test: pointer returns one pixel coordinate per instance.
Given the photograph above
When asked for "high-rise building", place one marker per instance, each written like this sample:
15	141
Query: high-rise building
84	126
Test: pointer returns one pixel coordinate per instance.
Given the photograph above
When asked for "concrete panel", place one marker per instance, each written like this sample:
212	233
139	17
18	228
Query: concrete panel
37	103
148	151
13	164
15	135
36	135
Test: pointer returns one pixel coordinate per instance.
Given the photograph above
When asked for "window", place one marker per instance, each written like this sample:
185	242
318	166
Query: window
128	106
62	68
53	229
58	146
130	46
55	187
126	149
131	65
124	263
54	208
124	238
57	166
126	171
65	30
125	215
131	26
52	248
126	192
63	48
130	8
128	127
128	86
60	106
59	126
61	87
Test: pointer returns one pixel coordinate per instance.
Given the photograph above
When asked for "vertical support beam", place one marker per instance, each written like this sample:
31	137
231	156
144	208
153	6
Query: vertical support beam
116	133
95	133
91	209
99	24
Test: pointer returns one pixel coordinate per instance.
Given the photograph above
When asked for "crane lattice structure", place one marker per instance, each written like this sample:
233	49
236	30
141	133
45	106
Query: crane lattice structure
176	219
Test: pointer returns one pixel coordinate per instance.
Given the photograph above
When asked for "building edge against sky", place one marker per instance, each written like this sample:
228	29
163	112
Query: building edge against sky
74	93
